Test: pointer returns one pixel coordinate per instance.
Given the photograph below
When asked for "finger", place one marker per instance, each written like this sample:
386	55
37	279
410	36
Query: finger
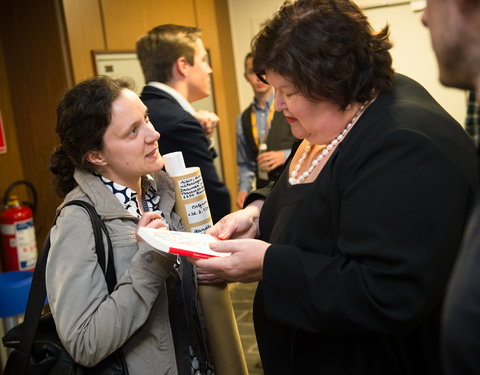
215	230
158	224
225	246
206	276
205	264
148	217
222	229
262	158
209	265
202	271
209	277
210	282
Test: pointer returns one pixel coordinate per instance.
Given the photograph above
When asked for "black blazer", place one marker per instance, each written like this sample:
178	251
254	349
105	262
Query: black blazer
180	131
461	317
354	280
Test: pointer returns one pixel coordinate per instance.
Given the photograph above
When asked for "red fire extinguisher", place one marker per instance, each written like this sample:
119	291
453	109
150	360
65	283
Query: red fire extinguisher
18	233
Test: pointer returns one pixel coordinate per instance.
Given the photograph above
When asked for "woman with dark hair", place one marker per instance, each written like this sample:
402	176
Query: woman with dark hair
108	156
354	243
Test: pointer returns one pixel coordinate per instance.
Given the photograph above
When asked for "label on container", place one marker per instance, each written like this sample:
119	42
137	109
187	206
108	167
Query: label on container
26	244
191	187
202	228
198	211
7	229
191	202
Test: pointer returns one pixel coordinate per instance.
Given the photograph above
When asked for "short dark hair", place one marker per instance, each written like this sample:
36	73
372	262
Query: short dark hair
327	49
83	116
162	46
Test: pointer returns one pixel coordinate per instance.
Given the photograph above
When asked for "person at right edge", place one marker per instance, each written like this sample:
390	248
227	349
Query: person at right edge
455	35
175	67
260	126
353	244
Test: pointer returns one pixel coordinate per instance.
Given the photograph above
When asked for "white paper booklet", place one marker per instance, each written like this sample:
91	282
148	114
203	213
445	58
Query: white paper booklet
181	243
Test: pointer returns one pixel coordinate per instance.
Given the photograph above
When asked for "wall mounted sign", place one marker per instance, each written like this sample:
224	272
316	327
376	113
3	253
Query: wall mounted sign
3	142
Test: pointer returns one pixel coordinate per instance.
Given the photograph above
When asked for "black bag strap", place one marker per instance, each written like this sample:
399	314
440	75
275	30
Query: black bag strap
38	292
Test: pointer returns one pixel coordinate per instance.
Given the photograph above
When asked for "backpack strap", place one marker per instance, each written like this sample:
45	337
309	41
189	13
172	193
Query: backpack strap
99	226
38	292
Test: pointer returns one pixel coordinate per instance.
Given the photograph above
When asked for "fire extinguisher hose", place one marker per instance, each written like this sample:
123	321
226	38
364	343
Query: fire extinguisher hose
33	204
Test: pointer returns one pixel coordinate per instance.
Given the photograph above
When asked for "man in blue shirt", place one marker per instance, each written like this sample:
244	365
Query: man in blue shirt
263	137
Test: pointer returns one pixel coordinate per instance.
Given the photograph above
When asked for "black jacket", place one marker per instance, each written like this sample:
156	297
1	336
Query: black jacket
180	131
354	280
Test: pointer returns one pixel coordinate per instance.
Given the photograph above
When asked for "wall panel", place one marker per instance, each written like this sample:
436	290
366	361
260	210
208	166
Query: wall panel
126	20
212	17
10	163
37	77
83	23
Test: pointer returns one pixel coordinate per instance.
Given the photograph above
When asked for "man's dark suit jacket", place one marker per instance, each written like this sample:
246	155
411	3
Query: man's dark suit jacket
180	131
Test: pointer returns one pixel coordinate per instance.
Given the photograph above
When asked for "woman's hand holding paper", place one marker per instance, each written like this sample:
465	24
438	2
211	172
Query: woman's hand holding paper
239	224
244	265
150	220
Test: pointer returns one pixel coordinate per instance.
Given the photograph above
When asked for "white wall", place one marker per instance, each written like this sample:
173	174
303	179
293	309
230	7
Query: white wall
413	55
246	17
412	52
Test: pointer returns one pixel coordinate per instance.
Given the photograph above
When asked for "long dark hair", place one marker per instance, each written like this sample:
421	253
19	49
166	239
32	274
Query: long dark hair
83	115
327	49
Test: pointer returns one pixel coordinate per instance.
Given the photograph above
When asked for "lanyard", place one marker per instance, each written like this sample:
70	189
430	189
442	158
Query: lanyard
253	119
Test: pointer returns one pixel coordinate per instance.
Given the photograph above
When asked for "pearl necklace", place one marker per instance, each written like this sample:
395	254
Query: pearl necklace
325	150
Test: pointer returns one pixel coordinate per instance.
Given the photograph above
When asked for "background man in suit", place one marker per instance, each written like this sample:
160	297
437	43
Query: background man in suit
175	66
455	33
257	124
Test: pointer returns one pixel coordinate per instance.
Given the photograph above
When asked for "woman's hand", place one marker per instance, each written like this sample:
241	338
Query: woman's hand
245	264
239	224
150	220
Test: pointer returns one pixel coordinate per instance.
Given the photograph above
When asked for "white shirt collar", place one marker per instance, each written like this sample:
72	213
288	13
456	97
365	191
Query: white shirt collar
177	96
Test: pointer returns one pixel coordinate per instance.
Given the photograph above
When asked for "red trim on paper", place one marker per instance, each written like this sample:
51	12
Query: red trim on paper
188	253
